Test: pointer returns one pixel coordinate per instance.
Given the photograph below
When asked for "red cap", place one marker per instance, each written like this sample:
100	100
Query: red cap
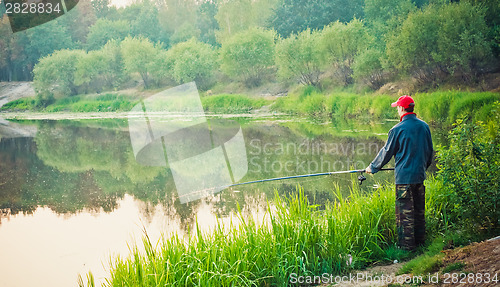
404	101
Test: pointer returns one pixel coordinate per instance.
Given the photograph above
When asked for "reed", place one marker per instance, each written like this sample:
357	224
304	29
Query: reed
295	237
231	103
437	107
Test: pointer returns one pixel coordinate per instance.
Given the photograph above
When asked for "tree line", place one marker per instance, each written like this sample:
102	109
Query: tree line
369	42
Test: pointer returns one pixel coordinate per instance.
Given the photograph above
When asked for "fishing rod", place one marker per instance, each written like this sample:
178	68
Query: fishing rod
361	177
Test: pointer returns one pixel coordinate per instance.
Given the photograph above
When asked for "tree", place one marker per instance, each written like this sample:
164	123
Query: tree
368	69
88	69
114	74
185	32
56	73
193	61
13	60
104	30
101	8
143	17
233	17
294	16
402	51
462	40
298	56
341	43
385	16
43	40
100	69
248	55
441	40
78	21
139	56
178	16
146	24
206	23
382	11
240	15
159	68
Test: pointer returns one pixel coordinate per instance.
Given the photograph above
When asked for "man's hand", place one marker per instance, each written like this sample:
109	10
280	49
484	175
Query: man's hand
368	170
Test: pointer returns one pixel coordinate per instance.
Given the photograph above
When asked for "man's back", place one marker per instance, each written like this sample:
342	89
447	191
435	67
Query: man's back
410	143
413	149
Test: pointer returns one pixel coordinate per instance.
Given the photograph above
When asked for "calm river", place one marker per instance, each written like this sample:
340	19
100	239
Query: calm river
72	193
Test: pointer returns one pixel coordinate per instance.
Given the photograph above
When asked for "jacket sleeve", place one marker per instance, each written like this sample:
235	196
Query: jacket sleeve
385	154
430	156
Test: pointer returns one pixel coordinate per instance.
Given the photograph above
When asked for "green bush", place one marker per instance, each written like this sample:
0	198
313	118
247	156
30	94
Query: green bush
226	103
56	73
299	57
193	61
44	99
470	172
341	43
248	55
452	39
19	104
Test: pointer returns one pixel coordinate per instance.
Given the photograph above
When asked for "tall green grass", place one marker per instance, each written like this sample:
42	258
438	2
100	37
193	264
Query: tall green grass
295	237
447	107
22	104
231	103
101	103
437	107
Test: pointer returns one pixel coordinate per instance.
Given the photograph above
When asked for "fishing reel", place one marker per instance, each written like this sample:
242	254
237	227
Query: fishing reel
361	178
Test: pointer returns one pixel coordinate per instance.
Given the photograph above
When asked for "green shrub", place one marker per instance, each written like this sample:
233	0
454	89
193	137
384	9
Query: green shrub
193	61
19	105
228	103
44	99
248	55
470	171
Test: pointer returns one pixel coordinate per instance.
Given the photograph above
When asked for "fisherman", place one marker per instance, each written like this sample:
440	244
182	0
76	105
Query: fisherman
411	145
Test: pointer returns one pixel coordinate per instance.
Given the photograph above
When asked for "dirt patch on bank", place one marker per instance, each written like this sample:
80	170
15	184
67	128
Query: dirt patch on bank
479	261
11	91
477	264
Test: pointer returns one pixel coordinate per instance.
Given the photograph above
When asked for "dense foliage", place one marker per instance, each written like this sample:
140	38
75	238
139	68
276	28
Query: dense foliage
298	57
365	42
248	55
470	171
193	61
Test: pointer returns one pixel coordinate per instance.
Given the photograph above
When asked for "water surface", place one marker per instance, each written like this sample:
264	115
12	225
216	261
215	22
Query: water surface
72	193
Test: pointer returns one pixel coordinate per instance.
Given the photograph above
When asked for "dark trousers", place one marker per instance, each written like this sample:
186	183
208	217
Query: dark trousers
410	215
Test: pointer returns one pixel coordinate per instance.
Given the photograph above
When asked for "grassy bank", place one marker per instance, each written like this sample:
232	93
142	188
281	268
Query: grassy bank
295	238
76	104
438	107
298	237
221	104
232	103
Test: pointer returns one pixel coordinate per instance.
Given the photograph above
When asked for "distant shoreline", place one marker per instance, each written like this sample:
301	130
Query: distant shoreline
115	115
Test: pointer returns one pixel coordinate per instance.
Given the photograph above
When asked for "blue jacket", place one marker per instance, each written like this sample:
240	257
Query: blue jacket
410	143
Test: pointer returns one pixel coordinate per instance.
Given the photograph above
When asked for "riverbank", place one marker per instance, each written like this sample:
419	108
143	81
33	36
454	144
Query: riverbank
300	238
475	264
298	241
436	107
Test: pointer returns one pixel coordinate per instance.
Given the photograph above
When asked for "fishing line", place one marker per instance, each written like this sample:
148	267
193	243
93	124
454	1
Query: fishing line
361	178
